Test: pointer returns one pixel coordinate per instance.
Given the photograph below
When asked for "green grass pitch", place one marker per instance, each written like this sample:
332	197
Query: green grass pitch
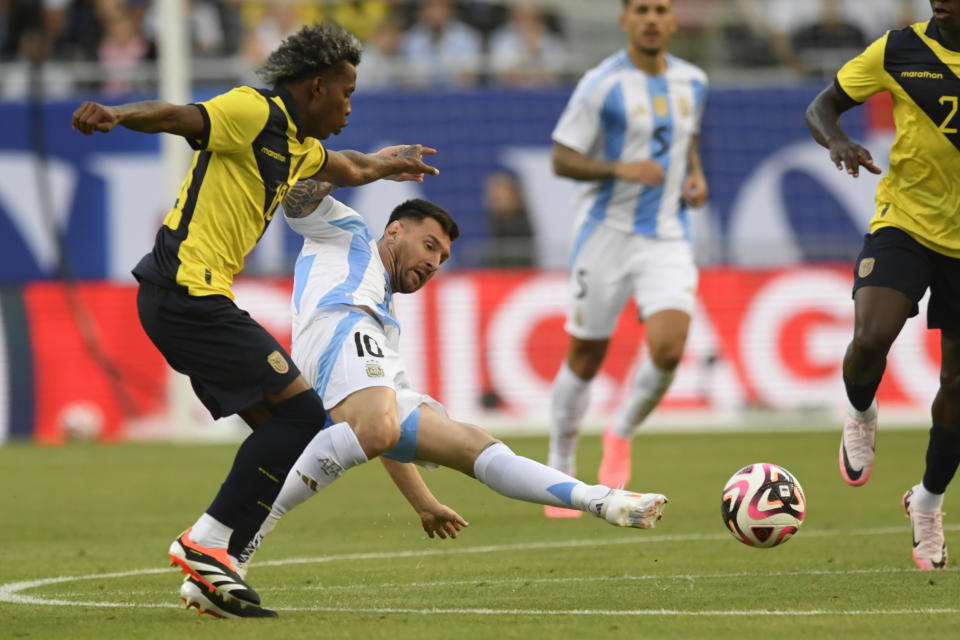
85	529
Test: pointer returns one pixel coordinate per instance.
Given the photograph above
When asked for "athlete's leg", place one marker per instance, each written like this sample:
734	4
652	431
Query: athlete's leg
599	287
666	335
924	501
476	453
943	450
366	425
569	399
260	467
879	315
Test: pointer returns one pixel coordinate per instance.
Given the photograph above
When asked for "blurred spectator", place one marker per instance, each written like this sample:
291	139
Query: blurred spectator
383	63
440	47
30	76
362	18
206	28
280	19
524	51
813	35
122	48
825	45
511	234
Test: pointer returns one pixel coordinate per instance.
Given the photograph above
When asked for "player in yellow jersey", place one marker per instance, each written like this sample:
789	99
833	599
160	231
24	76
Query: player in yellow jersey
913	245
251	145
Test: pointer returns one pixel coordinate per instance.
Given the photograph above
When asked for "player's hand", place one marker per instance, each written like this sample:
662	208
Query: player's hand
441	521
414	167
695	190
92	116
648	172
848	154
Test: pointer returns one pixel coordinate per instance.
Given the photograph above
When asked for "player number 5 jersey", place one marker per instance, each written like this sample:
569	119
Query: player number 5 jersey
618	112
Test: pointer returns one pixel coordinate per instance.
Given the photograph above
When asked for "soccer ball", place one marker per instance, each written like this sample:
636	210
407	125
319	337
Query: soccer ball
763	505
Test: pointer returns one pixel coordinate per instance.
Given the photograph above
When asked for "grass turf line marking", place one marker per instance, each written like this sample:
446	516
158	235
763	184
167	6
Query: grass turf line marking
482	582
11	592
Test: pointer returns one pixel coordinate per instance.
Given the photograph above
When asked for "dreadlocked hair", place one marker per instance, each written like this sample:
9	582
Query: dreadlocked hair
310	51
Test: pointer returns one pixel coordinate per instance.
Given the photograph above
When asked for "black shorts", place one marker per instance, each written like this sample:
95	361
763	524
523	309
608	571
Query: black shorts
892	258
231	360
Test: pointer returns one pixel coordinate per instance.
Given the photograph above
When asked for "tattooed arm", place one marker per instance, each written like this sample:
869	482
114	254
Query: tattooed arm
305	196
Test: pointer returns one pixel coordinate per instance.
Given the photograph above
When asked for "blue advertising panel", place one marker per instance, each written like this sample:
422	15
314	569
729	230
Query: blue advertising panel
88	207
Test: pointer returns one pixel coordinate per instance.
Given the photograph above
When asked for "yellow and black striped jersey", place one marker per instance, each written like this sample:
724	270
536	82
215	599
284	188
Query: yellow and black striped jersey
247	159
921	192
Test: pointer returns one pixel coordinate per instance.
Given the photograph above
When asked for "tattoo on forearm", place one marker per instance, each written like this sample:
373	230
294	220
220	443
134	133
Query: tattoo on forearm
304	197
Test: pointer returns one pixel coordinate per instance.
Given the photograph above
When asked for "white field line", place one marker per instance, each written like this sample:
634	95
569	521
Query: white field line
11	592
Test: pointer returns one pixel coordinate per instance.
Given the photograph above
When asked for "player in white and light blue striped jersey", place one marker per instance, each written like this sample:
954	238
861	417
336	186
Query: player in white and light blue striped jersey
346	340
629	132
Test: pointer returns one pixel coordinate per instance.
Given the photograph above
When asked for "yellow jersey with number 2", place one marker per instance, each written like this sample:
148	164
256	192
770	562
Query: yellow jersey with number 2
920	193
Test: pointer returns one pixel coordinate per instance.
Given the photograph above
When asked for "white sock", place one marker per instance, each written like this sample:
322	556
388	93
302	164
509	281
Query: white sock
868	414
923	500
210	532
568	402
524	479
648	386
325	458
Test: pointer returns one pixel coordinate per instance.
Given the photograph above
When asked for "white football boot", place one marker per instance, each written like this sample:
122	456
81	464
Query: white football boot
623	508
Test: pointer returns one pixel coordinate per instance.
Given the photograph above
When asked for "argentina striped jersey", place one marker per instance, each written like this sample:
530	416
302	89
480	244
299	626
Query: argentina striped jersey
339	265
618	112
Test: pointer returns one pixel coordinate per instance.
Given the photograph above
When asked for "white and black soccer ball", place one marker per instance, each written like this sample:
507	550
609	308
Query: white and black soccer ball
763	505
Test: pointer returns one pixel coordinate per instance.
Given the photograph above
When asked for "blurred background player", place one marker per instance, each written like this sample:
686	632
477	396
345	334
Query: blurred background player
346	338
252	146
630	132
913	245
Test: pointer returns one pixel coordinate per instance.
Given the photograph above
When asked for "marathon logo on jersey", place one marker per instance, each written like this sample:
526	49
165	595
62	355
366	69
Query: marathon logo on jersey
279	157
923	75
278	363
374	370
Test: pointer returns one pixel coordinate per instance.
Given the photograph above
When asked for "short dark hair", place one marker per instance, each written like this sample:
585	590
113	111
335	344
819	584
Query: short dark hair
314	49
419	209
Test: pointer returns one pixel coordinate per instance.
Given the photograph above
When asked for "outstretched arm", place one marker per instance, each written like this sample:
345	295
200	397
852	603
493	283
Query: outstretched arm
434	517
152	116
823	119
570	163
352	168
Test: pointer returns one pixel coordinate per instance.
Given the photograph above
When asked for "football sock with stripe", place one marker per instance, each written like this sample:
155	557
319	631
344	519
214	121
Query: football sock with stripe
325	458
263	461
521	478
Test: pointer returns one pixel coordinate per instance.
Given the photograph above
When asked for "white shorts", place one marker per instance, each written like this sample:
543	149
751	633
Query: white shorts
608	265
343	351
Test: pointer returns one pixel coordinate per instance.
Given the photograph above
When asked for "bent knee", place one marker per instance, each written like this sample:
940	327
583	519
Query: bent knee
667	358
378	434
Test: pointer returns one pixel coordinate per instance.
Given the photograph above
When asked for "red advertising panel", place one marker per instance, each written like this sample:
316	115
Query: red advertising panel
474	340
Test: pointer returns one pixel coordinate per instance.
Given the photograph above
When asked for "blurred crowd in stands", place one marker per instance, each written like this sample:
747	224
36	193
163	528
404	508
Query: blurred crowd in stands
56	48
418	42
